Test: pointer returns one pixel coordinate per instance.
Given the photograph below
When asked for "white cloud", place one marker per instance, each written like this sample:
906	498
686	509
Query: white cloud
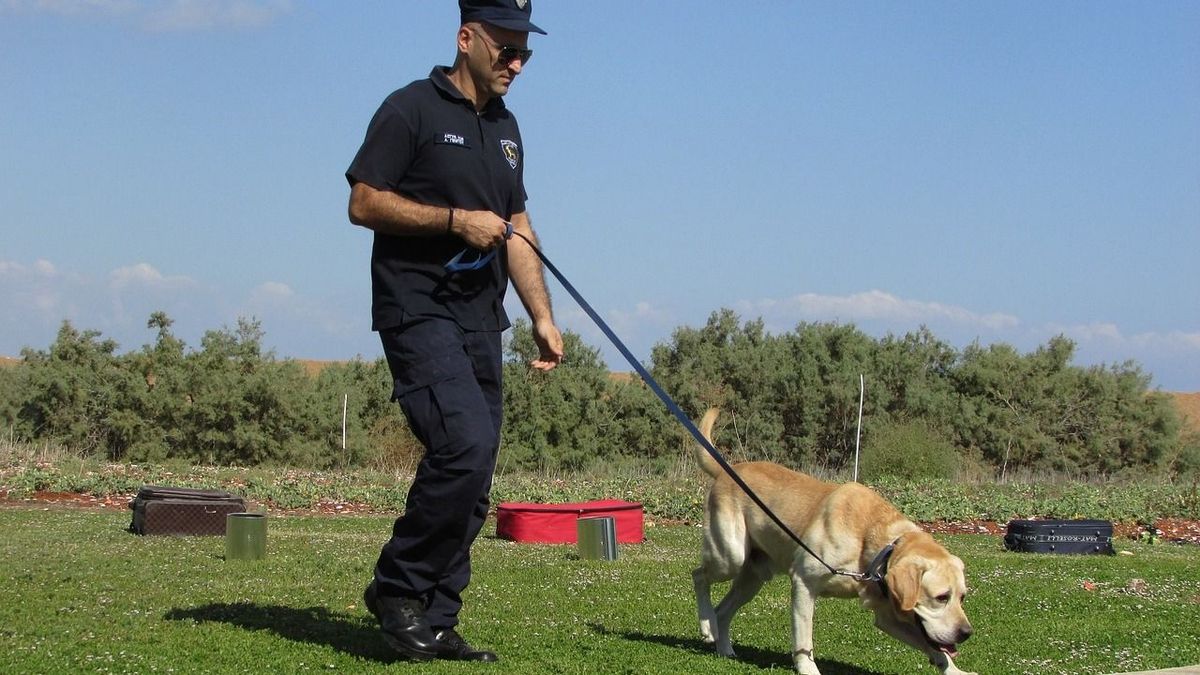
1173	357
35	290
872	305
1174	341
280	307
643	314
1087	332
36	297
271	292
1109	335
145	275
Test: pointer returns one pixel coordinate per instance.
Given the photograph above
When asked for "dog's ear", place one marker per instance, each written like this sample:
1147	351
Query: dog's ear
904	585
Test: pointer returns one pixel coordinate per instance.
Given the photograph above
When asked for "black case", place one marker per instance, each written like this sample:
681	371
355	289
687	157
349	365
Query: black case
182	511
1060	536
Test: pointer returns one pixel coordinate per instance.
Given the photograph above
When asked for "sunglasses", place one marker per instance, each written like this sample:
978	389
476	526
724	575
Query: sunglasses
507	53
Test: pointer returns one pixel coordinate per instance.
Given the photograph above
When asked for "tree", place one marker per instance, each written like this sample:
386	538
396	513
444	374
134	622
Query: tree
75	390
246	408
791	398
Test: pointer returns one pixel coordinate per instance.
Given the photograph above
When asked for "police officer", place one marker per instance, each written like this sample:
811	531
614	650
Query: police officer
440	173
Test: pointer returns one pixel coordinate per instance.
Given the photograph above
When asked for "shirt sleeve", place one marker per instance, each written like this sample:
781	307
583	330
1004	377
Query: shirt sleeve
387	150
519	196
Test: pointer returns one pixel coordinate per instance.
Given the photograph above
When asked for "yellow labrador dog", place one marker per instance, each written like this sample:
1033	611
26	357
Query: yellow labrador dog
918	600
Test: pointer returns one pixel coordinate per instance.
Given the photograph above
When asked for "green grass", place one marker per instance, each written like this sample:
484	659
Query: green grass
78	593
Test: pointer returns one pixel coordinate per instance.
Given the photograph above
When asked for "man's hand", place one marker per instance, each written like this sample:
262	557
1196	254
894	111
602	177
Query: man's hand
550	345
482	230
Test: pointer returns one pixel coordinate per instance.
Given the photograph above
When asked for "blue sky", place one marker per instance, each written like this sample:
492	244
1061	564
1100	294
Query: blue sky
1000	172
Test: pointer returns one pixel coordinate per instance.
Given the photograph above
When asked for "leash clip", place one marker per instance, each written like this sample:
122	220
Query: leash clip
857	576
456	264
876	571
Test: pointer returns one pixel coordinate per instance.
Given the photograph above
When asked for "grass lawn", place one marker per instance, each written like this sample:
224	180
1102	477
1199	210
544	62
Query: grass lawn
80	594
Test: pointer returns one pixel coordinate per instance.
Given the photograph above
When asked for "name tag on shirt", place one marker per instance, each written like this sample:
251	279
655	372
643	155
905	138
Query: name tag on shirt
452	139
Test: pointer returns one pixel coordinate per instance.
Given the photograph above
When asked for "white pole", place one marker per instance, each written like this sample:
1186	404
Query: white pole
858	433
345	401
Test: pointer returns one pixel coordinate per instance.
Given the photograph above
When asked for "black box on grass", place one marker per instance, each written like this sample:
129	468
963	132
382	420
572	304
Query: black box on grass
1059	536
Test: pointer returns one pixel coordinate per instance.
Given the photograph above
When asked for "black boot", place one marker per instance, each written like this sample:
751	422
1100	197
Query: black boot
455	648
403	623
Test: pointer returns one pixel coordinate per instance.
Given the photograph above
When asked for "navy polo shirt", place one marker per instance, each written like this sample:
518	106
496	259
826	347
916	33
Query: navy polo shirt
427	143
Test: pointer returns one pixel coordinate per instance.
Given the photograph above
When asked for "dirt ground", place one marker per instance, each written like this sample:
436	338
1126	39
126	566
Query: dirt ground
1173	530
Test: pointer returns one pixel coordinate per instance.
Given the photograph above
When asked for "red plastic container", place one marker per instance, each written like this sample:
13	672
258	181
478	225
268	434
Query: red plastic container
555	523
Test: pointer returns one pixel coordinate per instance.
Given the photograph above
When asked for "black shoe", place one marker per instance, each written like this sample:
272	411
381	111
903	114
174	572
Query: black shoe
404	625
370	594
455	648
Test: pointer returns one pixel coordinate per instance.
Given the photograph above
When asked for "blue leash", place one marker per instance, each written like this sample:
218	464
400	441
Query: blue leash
664	397
456	263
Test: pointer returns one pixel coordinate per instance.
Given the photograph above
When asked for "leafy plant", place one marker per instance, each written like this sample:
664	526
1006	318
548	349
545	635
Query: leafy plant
909	450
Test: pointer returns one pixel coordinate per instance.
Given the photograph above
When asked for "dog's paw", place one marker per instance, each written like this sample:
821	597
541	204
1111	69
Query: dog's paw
805	665
951	669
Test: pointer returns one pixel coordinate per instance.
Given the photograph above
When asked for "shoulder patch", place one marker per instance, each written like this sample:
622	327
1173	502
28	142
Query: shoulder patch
511	152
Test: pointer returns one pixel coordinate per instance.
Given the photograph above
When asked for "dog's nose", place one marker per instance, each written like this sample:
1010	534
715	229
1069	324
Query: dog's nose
964	633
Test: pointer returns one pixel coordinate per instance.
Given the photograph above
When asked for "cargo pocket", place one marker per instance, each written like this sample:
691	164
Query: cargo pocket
430	371
447	412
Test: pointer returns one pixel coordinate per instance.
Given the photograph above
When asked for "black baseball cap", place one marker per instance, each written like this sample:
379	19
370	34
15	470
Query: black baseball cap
510	14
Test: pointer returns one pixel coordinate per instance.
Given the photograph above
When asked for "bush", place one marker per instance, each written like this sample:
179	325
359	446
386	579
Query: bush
910	450
792	398
1187	463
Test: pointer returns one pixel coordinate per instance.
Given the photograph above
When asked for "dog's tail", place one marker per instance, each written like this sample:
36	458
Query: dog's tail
710	465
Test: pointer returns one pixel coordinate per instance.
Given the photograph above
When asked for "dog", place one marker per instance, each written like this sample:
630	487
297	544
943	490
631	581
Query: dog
917	598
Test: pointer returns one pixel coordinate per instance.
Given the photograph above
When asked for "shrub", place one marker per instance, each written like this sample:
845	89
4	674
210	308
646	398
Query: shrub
909	450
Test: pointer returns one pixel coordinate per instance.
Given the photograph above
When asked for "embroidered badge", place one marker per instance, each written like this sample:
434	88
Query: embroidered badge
453	139
511	152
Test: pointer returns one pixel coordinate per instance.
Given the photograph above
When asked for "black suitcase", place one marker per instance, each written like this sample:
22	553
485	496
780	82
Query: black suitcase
182	511
1059	536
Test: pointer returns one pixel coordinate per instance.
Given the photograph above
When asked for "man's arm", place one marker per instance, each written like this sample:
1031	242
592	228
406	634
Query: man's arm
525	270
386	212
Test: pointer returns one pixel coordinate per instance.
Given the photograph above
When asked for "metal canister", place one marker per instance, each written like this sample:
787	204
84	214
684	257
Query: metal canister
597	538
245	536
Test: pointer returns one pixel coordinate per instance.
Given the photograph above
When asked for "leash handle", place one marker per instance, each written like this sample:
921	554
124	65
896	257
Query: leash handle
674	407
456	264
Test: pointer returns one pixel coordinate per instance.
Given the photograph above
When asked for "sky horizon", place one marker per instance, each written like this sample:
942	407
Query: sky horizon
996	173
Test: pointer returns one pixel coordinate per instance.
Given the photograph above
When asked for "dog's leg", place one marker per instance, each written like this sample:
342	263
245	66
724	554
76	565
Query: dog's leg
722	557
742	589
911	637
803	600
704	609
944	663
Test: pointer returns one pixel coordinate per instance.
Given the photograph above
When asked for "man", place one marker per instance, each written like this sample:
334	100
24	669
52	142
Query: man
441	172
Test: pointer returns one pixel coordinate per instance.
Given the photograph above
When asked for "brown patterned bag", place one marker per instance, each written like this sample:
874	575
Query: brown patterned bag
182	511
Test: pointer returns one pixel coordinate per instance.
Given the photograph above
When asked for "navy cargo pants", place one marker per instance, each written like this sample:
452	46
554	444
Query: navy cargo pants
448	383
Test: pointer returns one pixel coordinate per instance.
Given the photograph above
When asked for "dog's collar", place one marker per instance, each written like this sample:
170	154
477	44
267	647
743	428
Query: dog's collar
877	570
